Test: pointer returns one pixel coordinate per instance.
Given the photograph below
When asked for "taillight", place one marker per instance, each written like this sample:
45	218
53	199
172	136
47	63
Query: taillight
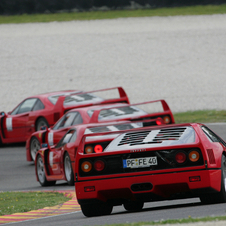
159	122
166	119
99	165
193	156
86	166
98	148
89	149
180	157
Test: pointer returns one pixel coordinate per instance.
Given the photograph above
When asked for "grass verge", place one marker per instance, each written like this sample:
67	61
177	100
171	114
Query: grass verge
179	221
113	14
19	202
205	116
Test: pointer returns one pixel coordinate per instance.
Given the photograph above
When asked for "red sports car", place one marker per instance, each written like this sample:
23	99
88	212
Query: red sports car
58	162
96	114
45	109
151	164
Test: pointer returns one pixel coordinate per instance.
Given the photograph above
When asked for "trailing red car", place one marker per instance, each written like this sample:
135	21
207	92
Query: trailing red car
97	114
151	164
58	162
45	109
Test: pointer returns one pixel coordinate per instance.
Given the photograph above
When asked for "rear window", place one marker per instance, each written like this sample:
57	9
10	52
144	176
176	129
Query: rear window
143	139
119	112
116	127
76	99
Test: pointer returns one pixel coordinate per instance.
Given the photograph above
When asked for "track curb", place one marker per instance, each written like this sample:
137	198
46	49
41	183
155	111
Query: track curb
67	207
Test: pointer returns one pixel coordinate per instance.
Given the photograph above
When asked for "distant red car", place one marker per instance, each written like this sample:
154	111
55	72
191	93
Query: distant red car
58	162
151	164
95	114
45	109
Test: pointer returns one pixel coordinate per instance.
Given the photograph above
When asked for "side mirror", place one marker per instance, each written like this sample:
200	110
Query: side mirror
2	113
44	145
43	128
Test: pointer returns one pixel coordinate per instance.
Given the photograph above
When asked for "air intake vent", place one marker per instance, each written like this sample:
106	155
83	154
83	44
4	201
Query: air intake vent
135	138
118	111
124	127
151	137
211	156
78	98
99	129
169	134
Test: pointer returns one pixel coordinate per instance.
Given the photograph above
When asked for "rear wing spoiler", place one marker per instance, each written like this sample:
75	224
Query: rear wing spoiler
60	108
166	110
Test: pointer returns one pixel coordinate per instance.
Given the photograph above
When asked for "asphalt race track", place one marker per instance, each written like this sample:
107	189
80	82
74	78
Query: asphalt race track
16	174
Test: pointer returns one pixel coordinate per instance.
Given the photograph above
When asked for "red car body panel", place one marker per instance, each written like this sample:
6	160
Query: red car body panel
19	126
186	180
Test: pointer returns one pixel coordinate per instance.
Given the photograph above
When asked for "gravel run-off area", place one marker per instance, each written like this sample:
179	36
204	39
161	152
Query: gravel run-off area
181	59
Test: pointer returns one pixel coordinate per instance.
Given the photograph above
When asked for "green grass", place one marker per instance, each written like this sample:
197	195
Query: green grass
19	202
205	116
93	15
179	221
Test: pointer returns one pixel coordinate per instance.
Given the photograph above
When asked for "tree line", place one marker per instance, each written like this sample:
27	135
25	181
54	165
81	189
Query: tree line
13	7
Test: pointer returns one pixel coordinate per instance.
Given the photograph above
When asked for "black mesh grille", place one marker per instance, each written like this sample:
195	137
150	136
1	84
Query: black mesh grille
134	138
121	111
169	134
84	96
137	138
124	127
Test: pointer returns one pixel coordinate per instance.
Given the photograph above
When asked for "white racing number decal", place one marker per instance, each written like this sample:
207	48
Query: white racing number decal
9	124
51	158
50	138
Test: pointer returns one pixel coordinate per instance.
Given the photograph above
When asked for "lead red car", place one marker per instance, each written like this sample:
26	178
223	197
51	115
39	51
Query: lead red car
45	109
168	162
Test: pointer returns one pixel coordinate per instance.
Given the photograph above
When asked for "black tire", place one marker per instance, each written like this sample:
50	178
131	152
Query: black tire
1	144
34	147
68	171
92	210
219	197
41	173
40	123
133	206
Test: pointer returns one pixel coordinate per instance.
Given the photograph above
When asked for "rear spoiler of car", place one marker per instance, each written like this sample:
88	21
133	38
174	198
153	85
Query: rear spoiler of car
166	111
60	109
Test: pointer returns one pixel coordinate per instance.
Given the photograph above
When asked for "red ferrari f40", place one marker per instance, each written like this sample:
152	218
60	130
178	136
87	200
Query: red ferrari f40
151	164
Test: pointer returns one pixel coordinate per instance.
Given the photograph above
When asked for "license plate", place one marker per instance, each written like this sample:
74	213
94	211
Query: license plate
140	162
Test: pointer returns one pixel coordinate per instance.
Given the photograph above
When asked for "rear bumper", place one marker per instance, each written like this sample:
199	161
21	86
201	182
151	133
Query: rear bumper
149	187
